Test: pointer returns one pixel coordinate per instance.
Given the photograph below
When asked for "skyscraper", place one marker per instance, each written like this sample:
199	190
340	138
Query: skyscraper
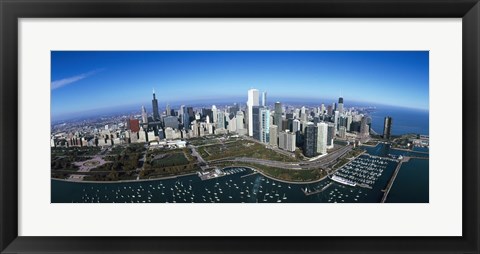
349	122
342	132
264	125
364	128
170	121
156	115
310	140
335	120
273	135
264	99
180	113
387	127
303	114
239	121
220	120
231	122
214	113
277	117
186	118
251	102
329	110
340	105
168	111
322	109
322	135
191	113
144	115
286	141
330	135
256	122
296	126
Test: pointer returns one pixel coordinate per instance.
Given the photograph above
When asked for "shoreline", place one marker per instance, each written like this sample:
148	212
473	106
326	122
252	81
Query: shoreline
398	149
249	167
126	181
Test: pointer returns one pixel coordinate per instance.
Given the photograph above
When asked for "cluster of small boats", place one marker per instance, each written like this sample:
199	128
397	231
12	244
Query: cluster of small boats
342	195
112	193
240	186
363	170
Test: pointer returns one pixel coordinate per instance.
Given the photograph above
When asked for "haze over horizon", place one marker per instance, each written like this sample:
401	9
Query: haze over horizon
88	80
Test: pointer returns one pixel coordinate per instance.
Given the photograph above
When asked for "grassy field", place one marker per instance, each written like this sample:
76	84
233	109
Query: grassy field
161	163
293	175
63	163
206	140
290	175
169	160
74	151
242	148
122	162
127	149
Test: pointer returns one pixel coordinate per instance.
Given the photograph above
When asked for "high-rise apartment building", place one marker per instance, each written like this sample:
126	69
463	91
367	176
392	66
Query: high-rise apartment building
387	127
286	141
256	122
322	135
273	135
277	118
251	102
310	140
264	125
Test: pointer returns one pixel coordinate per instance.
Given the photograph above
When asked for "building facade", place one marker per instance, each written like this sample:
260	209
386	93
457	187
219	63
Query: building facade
251	102
310	140
387	127
322	135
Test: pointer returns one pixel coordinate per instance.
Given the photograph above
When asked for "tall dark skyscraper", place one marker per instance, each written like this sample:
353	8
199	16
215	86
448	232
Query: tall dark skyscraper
329	110
156	115
330	134
387	127
256	122
186	118
277	117
310	140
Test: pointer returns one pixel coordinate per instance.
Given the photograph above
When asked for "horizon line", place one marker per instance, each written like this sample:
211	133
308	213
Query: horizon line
174	103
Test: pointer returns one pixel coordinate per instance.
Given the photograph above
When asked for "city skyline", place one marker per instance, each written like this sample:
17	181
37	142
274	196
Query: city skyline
83	81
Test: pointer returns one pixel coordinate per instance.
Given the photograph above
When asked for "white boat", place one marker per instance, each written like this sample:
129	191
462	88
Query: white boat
343	181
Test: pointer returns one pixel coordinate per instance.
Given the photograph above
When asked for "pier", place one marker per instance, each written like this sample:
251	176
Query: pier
390	183
254	173
308	193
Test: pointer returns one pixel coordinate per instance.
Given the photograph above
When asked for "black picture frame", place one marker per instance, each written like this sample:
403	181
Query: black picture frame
11	11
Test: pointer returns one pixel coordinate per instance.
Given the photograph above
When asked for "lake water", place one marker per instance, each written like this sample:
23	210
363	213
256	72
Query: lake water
245	185
404	120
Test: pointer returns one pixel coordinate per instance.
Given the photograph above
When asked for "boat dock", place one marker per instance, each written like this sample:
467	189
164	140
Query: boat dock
207	175
253	173
392	179
308	193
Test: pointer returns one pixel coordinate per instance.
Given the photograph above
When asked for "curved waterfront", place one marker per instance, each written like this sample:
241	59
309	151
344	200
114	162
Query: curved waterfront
239	185
244	185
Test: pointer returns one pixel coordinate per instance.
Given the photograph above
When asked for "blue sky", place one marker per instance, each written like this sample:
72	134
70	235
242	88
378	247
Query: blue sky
88	80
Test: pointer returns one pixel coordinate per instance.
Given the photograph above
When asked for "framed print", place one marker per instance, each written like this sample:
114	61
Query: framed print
259	126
